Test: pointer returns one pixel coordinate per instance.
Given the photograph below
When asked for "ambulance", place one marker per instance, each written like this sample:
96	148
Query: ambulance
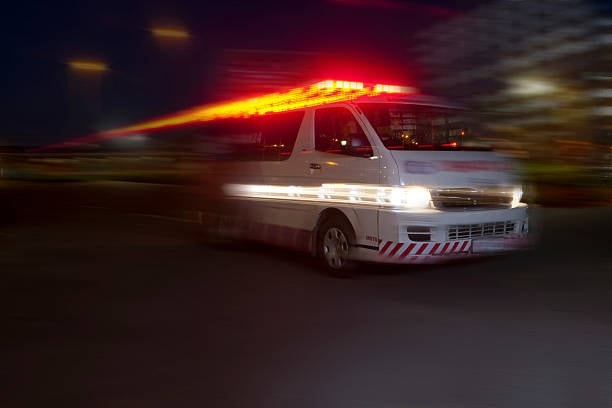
354	172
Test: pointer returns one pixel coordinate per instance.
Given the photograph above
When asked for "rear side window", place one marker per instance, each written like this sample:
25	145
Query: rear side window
268	137
337	131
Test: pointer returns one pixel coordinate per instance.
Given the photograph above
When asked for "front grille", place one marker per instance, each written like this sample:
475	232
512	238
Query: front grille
469	198
488	229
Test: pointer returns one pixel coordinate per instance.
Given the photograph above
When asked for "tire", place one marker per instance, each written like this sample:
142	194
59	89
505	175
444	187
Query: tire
335	240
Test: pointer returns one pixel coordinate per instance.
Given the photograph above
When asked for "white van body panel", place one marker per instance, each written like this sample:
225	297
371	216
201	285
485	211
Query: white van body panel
454	168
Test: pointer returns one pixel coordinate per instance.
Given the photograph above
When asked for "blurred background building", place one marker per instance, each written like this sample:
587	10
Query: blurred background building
539	71
255	72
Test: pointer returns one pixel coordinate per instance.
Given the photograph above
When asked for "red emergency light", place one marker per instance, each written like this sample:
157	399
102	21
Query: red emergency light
319	93
322	92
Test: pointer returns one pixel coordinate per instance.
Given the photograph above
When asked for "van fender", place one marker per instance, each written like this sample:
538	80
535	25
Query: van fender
350	214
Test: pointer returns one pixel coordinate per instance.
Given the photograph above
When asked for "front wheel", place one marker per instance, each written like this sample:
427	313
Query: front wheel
334	246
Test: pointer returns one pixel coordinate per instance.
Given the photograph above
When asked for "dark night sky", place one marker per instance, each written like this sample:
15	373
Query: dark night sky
44	102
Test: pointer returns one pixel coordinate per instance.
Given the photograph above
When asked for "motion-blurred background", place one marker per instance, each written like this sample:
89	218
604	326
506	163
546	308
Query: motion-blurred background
538	73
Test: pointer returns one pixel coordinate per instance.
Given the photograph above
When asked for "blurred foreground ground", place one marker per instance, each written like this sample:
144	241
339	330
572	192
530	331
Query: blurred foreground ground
110	299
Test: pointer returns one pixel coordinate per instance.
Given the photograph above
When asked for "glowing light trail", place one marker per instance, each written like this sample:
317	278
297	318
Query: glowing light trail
320	93
317	94
412	197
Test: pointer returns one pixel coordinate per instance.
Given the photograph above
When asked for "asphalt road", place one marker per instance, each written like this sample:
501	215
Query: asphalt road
109	298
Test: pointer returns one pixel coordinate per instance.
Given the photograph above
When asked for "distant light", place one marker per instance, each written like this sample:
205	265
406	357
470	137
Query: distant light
92	66
173	33
528	86
601	110
135	138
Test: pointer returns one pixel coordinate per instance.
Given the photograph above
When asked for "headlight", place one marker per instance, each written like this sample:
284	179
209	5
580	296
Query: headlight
517	195
410	197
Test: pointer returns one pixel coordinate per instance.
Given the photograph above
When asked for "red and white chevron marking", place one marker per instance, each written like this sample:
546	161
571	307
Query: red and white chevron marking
422	251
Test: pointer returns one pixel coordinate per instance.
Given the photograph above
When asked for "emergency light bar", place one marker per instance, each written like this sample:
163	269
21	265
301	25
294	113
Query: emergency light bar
316	94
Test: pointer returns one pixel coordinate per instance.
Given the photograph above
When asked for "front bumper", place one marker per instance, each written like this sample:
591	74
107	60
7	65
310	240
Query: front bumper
441	252
449	236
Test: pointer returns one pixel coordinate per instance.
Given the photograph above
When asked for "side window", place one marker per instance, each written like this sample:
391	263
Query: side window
278	134
267	137
337	131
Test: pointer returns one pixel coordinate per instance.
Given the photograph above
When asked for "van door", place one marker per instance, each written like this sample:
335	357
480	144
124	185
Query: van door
343	153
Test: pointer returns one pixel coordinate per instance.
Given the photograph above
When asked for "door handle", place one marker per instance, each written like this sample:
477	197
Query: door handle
315	166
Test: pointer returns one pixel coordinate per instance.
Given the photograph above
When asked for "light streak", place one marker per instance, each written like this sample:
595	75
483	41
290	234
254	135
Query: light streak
406	198
319	93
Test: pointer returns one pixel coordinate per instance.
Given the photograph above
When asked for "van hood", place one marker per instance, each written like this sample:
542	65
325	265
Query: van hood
455	169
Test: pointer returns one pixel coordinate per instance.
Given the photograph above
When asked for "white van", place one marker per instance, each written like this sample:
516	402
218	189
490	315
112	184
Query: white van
352	172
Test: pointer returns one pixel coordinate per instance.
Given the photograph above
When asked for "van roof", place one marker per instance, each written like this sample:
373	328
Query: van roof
410	99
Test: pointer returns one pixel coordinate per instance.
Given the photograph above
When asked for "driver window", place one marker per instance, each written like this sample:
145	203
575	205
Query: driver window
337	131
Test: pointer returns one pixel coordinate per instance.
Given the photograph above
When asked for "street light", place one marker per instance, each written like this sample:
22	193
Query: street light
532	86
170	33
87	66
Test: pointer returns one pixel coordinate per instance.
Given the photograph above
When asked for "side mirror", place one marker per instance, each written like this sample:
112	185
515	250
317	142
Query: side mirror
359	145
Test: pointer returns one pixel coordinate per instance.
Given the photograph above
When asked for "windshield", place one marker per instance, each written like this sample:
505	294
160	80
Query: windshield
417	127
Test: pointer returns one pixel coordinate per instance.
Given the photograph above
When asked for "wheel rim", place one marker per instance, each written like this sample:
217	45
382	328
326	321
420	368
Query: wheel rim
335	248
